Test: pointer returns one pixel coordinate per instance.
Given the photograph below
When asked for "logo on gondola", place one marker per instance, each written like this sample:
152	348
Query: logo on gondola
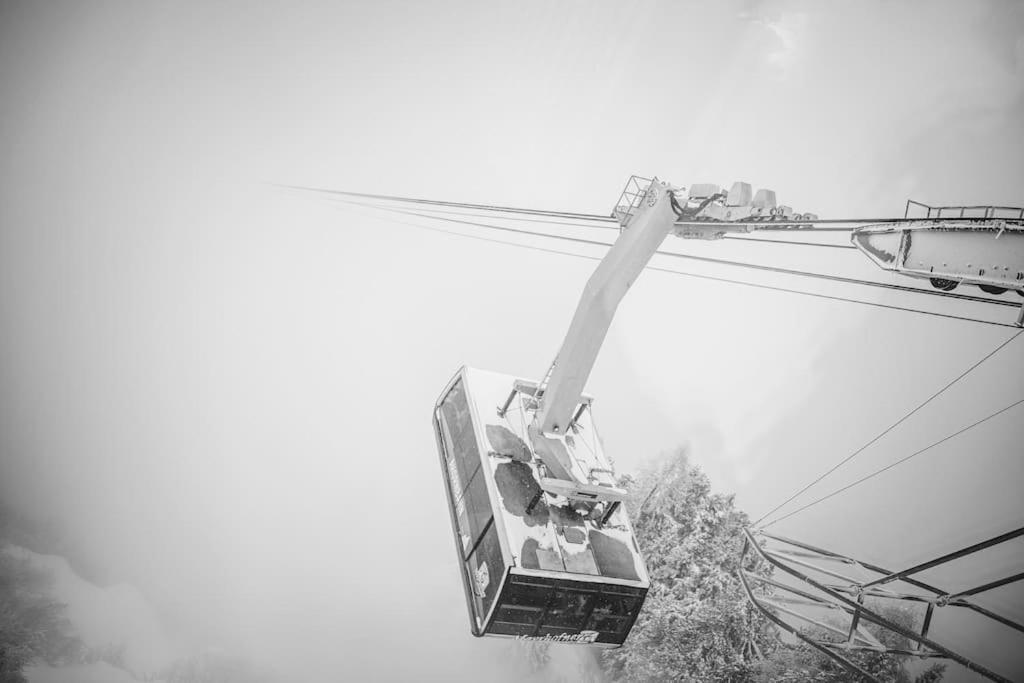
583	637
481	579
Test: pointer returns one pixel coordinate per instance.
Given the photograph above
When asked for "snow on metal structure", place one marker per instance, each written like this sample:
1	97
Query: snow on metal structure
829	591
952	245
707	212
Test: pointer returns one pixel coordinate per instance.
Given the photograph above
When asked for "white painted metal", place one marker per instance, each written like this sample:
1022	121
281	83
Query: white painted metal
741	203
987	253
650	219
616	271
647	229
647	210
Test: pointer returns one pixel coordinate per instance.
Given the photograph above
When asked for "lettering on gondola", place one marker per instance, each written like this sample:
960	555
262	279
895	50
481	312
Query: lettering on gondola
583	637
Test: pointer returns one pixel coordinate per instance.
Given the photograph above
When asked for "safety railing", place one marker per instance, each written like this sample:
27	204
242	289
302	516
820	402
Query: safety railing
630	199
980	212
814	582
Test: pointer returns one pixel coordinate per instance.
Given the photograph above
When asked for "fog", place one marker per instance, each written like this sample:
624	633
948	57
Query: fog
220	390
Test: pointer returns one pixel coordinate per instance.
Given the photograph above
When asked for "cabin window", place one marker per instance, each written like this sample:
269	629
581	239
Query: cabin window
478	506
462	454
486	569
523	605
567	610
535	608
612	612
465	476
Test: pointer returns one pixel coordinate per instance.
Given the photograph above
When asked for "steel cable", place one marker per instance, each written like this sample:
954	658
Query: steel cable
883	432
898	462
764	225
672	271
708	259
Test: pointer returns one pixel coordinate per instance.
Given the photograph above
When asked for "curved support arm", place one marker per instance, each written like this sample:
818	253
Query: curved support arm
607	286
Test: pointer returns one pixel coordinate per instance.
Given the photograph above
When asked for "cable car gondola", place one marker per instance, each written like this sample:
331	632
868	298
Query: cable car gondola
535	565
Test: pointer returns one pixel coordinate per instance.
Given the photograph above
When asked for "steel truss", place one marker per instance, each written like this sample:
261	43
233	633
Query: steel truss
845	594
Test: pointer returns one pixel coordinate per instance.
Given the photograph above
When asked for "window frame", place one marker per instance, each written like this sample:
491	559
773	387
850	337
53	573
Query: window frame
484	469
539	627
479	513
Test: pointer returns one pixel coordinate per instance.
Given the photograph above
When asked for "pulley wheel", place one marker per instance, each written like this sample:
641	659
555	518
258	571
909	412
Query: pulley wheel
943	284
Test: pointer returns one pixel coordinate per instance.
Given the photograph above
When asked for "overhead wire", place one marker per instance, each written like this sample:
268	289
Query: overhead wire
481	238
673	271
763	225
463	205
783	289
885	431
708	259
615	227
595	224
898	462
576	216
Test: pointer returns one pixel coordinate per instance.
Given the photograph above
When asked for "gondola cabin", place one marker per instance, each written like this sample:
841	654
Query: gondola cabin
535	564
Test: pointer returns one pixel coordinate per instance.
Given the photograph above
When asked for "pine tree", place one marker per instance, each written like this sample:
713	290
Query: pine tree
696	624
32	625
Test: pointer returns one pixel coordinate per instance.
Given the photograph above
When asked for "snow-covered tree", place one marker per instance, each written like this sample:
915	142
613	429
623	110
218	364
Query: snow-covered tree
33	627
696	624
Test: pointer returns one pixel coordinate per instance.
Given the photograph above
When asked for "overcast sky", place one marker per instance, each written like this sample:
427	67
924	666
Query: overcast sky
224	388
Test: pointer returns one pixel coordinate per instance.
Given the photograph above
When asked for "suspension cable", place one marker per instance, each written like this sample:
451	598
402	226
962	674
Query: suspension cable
594	224
591	226
462	205
711	278
885	431
898	462
763	225
706	259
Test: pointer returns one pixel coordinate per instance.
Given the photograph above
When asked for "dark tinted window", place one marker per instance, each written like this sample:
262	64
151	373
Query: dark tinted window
527	595
462	460
568	609
463	456
608	624
512	629
539	607
523	604
612	612
478	506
